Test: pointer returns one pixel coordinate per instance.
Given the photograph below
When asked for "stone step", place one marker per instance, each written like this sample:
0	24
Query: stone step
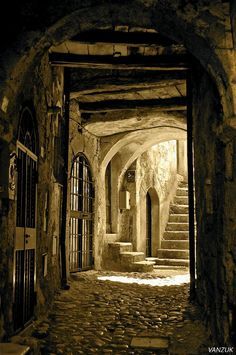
176	235
172	262
131	257
182	192
178	218
183	184
119	247
177	226
179	209
175	244
151	259
172	254
170	267
181	200
143	266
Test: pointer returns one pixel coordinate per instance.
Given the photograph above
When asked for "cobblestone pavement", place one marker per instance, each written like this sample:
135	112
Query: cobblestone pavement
102	317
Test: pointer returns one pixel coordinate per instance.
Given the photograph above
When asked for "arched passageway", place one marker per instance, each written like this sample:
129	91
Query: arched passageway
101	111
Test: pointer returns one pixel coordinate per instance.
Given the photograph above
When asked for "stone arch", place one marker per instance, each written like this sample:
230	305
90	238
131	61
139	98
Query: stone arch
139	143
172	19
182	134
148	138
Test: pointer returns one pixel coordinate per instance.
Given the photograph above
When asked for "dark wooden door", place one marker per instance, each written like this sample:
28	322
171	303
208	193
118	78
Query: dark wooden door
148	225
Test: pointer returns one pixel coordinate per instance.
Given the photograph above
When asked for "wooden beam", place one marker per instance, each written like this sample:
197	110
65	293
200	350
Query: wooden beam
90	83
155	88
145	115
133	39
173	103
159	63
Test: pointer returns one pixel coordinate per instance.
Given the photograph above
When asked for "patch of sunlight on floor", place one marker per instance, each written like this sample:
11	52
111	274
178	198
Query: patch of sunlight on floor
167	281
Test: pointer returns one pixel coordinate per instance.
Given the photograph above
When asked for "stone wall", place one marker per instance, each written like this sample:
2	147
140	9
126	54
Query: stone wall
155	169
42	89
214	147
82	141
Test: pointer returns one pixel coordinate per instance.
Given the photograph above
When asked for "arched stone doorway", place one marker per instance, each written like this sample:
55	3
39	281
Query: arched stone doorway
24	276
148	225
81	215
149	237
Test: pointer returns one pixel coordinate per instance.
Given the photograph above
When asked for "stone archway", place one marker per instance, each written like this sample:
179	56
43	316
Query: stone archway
175	20
210	46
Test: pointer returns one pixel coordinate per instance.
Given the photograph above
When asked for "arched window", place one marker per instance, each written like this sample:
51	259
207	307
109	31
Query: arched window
26	132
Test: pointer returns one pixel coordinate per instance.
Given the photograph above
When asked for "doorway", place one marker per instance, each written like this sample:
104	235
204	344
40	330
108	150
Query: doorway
25	236
81	218
148	225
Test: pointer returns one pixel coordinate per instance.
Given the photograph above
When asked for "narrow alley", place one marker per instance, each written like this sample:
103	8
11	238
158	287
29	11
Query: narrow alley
96	316
118	177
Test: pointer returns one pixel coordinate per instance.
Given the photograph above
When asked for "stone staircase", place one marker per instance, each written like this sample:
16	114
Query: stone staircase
122	258
174	251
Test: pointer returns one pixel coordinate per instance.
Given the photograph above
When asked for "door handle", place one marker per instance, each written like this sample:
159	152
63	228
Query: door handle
27	236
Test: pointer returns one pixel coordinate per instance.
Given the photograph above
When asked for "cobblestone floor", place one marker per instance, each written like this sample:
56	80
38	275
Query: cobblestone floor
102	317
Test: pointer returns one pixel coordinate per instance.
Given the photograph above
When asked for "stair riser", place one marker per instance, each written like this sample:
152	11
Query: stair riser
117	249
170	262
175	244
177	227
128	259
170	235
124	248
182	200
141	268
183	185
178	218
173	254
181	192
179	209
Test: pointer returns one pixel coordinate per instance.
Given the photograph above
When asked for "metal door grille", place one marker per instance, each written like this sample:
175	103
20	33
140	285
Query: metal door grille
25	240
24	287
26	190
148	225
81	222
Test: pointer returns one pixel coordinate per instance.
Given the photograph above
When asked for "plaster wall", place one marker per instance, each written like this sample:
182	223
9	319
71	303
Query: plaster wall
81	141
156	169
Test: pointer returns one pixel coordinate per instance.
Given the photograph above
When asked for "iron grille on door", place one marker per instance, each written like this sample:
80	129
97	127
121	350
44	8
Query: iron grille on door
25	236
81	221
24	287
